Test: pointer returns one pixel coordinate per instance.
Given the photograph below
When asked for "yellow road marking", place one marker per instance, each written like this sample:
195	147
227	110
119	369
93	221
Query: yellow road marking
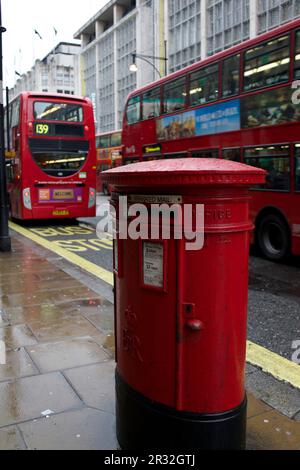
92	268
268	361
278	366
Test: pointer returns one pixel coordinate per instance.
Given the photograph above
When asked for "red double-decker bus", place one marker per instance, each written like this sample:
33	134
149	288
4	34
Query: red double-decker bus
241	104
51	164
109	155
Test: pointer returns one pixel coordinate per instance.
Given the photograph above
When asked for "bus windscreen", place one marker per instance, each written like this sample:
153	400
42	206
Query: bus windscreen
65	112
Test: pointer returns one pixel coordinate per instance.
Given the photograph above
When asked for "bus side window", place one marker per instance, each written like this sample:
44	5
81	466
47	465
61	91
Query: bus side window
297	167
204	85
231	76
267	64
297	56
174	95
9	172
276	161
233	154
151	103
133	110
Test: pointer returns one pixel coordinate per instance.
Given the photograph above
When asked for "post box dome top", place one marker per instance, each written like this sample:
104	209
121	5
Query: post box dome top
184	171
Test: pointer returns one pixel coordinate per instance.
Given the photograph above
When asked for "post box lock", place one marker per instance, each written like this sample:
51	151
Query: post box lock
189	309
194	325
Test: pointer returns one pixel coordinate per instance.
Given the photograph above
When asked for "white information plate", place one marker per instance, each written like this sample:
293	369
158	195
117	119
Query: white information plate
153	264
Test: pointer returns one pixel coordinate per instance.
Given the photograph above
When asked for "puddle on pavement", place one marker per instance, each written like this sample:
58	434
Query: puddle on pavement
100	312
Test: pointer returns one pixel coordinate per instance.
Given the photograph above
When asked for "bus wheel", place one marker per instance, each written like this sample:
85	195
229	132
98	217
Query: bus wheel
273	237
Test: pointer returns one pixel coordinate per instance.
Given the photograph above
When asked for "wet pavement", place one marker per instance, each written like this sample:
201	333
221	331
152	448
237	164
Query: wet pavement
57	386
274	294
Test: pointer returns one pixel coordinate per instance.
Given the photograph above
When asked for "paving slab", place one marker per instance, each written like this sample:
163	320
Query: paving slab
86	429
19	286
75	326
10	439
18	364
279	395
272	431
49	297
100	313
41	313
17	336
25	399
256	407
95	385
67	354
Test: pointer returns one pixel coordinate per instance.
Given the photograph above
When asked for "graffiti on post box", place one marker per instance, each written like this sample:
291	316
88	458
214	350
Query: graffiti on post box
132	344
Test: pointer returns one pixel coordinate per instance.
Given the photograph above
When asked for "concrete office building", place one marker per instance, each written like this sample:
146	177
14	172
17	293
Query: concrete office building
58	72
182	30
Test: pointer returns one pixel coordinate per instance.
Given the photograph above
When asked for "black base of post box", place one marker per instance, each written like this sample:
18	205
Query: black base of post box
145	425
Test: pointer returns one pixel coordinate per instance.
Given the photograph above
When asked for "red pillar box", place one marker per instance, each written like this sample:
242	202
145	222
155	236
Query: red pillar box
181	312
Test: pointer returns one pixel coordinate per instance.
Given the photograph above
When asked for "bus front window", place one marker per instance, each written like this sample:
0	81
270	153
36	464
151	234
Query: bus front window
60	164
48	111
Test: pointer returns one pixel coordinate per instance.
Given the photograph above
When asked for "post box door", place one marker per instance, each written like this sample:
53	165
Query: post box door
147	317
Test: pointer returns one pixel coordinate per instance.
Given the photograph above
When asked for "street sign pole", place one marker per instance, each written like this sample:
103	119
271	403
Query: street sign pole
5	241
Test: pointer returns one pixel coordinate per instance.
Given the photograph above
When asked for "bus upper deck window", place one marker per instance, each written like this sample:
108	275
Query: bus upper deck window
175	95
267	64
151	104
204	85
297	56
133	111
231	76
116	139
55	111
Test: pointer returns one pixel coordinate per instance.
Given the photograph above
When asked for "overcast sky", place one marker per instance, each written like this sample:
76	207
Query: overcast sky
21	17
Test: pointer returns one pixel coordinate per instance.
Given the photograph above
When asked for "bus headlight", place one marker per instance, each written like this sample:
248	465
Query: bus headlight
27	198
92	198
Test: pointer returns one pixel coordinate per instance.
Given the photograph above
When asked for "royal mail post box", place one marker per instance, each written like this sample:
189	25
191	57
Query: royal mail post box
181	310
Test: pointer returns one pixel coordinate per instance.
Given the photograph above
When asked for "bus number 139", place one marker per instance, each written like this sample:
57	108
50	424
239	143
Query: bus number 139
42	129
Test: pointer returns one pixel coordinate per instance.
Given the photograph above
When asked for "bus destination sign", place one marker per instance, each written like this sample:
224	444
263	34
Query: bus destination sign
42	129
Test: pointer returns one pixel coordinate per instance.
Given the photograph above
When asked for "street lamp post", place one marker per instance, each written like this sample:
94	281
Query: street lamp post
133	66
5	241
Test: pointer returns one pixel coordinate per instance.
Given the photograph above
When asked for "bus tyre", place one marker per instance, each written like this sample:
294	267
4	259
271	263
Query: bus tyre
273	237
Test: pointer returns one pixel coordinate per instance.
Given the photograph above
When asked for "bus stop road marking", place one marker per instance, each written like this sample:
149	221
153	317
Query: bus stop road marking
270	362
91	268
